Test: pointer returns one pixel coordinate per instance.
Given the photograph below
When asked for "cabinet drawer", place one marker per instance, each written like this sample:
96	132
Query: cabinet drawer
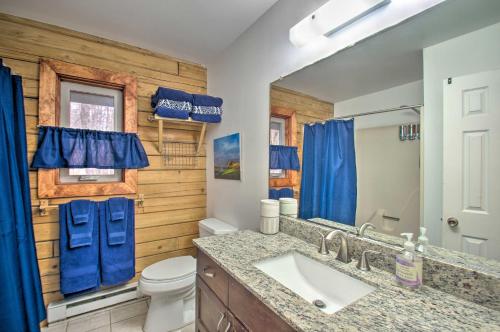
213	275
252	312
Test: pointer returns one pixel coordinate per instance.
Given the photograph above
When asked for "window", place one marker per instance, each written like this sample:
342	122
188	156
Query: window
277	137
88	98
89	107
282	131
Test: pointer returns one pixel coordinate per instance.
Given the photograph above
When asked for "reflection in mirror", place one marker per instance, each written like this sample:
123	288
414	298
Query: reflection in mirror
363	116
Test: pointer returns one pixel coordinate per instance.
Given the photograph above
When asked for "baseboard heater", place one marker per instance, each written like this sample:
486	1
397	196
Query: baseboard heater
70	307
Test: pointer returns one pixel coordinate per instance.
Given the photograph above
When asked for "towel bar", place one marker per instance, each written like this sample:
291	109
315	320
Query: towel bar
44	207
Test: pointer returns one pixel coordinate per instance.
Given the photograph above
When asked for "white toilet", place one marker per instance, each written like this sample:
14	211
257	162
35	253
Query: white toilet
171	285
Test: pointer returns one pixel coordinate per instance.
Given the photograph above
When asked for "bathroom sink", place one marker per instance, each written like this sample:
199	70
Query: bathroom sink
328	289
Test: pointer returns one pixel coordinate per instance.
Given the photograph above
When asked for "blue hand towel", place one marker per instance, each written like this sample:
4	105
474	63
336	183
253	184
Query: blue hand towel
207	108
79	266
116	224
172	103
117	261
80	223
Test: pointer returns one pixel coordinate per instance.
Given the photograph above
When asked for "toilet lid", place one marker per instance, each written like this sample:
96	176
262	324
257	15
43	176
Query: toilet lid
172	268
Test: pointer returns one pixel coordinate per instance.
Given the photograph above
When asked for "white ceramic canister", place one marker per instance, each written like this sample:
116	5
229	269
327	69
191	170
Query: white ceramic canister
288	207
269	208
269	225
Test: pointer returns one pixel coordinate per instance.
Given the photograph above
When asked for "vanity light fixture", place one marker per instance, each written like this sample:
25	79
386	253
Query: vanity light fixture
330	18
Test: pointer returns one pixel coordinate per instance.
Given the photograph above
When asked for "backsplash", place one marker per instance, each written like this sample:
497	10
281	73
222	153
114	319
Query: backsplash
478	285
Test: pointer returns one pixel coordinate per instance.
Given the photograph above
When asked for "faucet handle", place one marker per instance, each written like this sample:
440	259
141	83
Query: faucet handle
363	263
323	248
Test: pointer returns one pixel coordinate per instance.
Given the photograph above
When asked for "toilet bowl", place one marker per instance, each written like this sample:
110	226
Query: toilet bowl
171	285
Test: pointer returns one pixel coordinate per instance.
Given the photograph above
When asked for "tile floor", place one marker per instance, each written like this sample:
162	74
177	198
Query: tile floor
126	317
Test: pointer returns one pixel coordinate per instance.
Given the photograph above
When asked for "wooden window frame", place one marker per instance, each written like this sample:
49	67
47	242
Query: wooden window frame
51	74
290	117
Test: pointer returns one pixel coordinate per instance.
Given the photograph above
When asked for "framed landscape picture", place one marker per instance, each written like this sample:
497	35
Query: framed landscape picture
227	157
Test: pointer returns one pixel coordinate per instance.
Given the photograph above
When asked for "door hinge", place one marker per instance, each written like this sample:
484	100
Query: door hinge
450	80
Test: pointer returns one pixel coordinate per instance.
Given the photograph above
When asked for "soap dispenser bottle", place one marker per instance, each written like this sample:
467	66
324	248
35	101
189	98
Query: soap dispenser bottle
422	241
409	265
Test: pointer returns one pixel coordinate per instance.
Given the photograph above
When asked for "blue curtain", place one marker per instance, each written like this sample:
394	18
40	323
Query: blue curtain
283	157
22	304
82	148
328	187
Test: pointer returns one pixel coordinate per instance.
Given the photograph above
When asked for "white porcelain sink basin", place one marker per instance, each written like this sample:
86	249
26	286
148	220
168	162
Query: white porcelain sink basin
315	281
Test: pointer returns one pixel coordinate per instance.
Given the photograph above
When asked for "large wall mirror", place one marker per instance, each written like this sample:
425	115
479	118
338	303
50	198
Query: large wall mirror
401	130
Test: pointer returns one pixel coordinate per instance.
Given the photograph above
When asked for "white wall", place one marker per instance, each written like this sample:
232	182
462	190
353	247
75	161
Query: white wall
388	180
406	94
241	76
471	53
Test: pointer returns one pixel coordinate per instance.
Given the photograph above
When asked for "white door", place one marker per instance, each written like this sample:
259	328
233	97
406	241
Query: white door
471	164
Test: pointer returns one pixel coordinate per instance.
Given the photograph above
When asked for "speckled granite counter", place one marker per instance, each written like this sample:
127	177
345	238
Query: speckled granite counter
388	308
468	277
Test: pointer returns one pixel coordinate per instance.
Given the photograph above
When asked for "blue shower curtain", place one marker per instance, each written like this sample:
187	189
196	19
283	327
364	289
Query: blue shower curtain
328	187
22	306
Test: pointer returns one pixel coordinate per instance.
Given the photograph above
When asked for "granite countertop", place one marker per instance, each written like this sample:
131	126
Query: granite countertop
460	259
389	307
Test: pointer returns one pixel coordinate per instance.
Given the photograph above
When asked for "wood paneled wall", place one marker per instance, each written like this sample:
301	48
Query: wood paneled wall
175	199
308	109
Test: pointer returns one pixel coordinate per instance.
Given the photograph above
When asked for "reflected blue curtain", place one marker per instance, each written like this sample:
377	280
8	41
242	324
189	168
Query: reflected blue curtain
22	306
328	187
283	157
60	147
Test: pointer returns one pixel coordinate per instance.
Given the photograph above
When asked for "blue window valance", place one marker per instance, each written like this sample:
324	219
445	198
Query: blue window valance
60	147
280	193
283	157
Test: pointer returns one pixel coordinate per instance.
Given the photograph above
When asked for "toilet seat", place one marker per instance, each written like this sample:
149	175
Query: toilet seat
173	275
171	269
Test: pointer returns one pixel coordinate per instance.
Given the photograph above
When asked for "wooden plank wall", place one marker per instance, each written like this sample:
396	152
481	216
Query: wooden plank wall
175	199
308	109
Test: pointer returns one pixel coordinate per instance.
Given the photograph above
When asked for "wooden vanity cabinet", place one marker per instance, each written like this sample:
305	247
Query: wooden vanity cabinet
210	311
224	305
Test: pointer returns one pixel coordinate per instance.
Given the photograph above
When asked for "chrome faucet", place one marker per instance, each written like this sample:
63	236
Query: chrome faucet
343	253
364	227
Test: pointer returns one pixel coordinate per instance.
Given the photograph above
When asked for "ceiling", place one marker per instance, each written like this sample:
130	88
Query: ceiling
393	57
194	30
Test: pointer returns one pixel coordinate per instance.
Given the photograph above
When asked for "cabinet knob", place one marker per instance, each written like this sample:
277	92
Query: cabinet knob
452	222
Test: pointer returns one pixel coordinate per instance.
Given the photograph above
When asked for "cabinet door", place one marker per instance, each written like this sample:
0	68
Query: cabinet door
210	311
234	325
252	312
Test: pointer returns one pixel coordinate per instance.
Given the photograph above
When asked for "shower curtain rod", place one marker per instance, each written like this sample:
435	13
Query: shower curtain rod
415	108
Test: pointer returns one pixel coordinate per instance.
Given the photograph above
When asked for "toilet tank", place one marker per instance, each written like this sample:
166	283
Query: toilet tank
214	226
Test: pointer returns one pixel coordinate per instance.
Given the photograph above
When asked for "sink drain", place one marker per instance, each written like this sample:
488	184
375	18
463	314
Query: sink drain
320	304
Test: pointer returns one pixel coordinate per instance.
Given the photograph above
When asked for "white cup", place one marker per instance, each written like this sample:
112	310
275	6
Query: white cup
288	207
269	225
269	208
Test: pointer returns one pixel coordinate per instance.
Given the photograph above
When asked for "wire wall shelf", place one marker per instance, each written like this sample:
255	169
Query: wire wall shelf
176	154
